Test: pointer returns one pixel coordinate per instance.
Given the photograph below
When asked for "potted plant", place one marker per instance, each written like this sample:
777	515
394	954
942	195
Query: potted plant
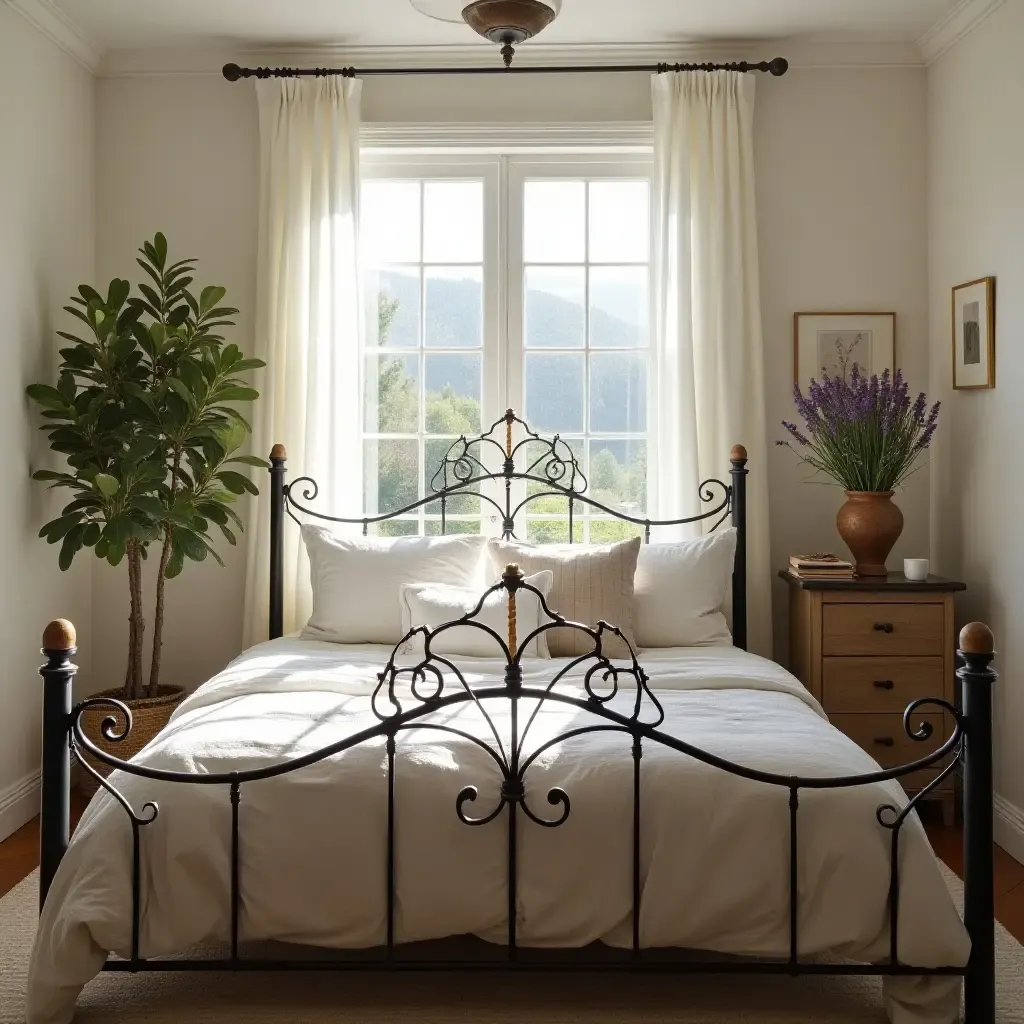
144	411
867	435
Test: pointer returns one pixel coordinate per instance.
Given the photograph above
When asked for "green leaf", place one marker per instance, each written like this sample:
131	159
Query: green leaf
90	295
251	460
181	388
228	534
191	546
236	394
117	294
247	364
57	528
115	552
45	395
151	506
160	246
175	563
71	546
209	297
178	316
236	483
91	535
106	484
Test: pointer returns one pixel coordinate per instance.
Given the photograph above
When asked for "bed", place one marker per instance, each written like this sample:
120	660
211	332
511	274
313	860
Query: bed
677	809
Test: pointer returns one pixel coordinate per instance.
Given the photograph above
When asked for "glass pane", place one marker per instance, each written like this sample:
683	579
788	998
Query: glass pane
554	222
464	503
619	222
390	474
555	307
392	394
390	222
453	393
619	307
553	531
454	307
608	531
554	392
618	392
618	476
537	459
453	222
395	528
395	303
432	527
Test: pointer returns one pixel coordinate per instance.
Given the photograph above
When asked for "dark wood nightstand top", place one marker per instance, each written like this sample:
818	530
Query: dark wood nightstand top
894	583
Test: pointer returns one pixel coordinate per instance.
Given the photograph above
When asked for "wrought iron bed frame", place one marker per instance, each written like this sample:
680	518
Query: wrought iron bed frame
435	683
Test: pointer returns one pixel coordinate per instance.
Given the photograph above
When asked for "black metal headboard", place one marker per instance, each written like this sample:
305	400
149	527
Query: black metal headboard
547	461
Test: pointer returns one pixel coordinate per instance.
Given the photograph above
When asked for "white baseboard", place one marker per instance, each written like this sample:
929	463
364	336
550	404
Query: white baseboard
1009	827
19	803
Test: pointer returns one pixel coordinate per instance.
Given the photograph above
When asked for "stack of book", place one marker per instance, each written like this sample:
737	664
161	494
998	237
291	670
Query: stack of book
820	567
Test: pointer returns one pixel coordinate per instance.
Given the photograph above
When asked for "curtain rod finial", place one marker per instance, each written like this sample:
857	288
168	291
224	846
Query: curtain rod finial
232	72
778	67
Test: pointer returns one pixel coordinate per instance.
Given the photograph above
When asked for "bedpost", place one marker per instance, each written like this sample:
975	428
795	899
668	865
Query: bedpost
977	679
278	457
738	457
55	801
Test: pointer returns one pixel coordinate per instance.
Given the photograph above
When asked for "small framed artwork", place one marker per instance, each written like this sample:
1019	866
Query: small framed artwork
974	334
833	343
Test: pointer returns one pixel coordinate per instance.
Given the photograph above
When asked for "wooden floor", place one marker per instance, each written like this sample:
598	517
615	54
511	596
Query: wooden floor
19	856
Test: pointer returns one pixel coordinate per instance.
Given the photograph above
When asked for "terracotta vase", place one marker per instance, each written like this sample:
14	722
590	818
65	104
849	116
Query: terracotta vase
870	524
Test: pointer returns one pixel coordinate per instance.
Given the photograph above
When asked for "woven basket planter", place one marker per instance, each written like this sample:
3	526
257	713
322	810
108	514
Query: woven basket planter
149	716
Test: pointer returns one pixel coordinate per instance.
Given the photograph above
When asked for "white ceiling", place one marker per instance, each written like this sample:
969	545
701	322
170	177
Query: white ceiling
114	24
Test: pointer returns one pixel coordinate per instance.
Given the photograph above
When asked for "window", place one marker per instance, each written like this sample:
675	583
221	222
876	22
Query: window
497	283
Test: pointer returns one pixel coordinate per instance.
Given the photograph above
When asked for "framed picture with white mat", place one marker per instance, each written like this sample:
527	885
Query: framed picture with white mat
974	334
832	343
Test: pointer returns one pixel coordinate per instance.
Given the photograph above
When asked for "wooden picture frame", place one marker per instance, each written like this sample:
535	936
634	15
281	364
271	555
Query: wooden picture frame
974	335
815	334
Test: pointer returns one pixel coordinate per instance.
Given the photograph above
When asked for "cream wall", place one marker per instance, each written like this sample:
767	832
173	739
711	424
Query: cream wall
841	172
976	220
46	250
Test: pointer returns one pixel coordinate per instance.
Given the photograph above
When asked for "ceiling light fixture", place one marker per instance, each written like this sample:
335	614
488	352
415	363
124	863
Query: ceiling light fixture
508	22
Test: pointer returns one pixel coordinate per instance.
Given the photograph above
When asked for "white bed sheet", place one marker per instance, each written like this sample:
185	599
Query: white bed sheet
715	847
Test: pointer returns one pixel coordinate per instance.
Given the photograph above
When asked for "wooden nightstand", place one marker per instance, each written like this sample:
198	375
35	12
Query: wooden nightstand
866	648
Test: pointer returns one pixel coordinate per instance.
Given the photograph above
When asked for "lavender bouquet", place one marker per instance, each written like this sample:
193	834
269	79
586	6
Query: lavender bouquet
864	432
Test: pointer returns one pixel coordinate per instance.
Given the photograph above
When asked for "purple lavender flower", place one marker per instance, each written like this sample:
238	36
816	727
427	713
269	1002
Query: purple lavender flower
863	431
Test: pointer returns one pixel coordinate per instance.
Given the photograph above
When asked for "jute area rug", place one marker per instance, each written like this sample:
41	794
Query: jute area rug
465	998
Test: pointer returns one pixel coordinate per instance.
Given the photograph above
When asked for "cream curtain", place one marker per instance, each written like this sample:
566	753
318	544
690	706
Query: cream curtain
708	355
308	317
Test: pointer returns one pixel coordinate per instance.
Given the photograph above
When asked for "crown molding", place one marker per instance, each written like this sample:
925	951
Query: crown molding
53	23
801	53
947	32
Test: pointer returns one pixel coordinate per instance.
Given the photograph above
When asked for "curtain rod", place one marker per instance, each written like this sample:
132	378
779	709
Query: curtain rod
232	72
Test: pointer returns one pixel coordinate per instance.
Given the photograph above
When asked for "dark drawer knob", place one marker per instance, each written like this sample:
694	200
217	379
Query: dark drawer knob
885	741
883	627
884	684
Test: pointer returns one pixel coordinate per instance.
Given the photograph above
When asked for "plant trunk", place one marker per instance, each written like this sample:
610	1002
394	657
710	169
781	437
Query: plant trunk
137	624
158	616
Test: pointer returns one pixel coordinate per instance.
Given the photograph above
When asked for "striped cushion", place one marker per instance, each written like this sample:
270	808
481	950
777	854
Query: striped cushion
592	582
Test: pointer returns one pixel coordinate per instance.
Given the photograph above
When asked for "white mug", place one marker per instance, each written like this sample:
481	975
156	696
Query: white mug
915	569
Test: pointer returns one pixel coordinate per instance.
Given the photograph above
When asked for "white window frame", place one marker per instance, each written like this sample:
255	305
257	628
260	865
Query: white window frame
504	176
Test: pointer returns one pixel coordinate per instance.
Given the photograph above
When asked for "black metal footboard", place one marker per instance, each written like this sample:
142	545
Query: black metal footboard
407	697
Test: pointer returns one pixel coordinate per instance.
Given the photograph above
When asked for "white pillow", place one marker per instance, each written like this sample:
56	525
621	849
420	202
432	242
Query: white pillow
432	604
679	591
357	581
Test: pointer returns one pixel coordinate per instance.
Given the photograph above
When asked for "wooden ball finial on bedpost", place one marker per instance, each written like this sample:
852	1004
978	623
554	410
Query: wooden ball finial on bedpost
977	682
55	798
512	577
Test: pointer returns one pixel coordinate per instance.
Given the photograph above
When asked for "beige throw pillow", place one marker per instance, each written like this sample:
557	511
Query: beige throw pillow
592	582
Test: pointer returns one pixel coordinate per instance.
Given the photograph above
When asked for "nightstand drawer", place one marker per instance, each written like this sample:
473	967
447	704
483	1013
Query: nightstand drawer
884	738
879	684
862	629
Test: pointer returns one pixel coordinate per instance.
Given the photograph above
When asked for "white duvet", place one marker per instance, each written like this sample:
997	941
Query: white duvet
714	847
